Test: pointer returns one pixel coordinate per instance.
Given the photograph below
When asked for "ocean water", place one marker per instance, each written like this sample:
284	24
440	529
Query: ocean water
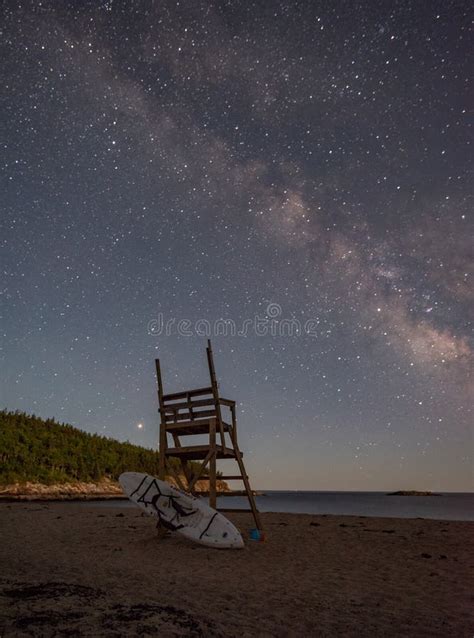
448	506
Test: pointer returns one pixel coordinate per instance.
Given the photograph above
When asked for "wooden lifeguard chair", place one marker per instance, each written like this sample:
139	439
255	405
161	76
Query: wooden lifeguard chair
201	411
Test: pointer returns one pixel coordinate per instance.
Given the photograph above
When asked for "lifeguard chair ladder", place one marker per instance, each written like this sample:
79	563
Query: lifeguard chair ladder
201	411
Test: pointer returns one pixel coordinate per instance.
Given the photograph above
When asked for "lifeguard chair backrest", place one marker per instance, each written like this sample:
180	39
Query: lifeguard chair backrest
189	405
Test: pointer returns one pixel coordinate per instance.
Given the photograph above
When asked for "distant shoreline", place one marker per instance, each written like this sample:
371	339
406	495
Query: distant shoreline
110	491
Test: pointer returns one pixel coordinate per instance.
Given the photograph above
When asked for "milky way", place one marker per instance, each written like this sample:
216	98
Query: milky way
173	171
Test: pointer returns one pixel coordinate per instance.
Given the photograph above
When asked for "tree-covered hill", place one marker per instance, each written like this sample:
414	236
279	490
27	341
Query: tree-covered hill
44	451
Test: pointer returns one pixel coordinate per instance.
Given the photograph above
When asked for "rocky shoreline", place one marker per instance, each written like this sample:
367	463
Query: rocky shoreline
30	491
106	489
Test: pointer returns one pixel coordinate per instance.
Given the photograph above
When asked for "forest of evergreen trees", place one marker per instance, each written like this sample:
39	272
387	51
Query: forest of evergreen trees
44	451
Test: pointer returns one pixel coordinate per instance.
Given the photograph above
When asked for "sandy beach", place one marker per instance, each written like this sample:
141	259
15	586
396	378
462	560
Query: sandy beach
79	570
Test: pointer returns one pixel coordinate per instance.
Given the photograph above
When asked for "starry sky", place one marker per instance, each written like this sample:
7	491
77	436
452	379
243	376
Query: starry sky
170	168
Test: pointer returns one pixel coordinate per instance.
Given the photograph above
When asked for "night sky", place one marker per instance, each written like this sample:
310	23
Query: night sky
205	161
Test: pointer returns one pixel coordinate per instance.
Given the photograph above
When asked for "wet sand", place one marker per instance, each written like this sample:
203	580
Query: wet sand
78	570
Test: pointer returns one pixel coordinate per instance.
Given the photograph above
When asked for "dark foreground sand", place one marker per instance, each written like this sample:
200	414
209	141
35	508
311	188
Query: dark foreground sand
79	570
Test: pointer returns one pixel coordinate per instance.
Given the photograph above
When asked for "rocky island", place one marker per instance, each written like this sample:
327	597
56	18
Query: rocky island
412	493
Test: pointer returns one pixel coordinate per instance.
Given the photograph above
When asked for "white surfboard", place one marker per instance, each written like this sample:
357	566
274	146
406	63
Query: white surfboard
180	512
